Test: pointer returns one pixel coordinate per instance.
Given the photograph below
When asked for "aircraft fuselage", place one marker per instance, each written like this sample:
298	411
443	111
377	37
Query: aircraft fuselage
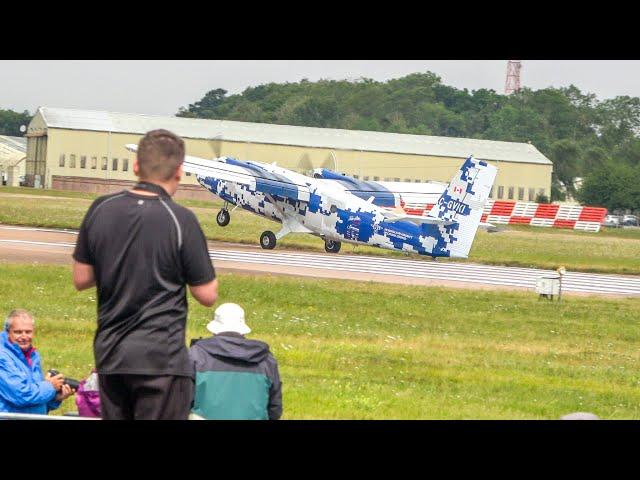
326	214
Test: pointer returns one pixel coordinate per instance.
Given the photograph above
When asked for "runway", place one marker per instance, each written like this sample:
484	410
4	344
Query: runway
55	246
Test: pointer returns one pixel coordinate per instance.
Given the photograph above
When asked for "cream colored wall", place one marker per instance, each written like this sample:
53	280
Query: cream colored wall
90	144
371	164
524	175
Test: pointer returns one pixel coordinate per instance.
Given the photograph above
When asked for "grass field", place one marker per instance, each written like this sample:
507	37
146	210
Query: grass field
609	251
351	350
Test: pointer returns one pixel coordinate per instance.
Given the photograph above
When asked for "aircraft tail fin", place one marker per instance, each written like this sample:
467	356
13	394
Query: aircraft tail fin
462	203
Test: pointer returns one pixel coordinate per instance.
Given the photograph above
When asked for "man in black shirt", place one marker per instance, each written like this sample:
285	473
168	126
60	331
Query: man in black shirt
141	250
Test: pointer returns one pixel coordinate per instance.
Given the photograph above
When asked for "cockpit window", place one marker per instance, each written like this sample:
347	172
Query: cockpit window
333	209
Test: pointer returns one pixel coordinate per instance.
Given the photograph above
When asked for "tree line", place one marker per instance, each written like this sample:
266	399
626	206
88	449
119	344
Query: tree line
584	137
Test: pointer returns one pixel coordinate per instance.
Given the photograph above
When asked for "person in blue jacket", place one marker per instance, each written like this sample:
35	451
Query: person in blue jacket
236	378
22	386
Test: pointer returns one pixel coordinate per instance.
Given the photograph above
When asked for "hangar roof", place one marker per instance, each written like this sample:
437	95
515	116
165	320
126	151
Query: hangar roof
227	130
12	149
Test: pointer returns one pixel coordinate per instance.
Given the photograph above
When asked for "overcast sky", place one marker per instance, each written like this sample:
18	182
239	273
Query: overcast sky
162	87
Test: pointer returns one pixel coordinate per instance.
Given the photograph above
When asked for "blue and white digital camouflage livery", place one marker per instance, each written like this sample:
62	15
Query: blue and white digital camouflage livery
339	208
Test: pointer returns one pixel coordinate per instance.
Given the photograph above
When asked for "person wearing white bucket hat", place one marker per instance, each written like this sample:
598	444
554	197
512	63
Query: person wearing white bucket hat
228	317
236	378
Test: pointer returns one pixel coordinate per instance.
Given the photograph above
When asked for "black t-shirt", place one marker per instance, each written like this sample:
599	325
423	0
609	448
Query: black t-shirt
143	250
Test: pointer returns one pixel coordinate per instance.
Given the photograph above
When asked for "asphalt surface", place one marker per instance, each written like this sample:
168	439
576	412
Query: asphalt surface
49	246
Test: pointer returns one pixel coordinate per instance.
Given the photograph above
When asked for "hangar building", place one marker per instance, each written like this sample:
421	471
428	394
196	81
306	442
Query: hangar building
13	153
84	150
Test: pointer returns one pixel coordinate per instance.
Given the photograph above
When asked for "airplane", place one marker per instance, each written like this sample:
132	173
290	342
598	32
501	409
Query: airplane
339	208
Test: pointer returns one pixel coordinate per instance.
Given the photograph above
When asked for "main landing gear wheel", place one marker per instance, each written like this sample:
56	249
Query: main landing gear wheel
331	246
223	218
268	240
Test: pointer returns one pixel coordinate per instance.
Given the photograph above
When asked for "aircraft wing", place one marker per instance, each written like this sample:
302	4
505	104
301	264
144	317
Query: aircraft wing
386	194
210	168
252	174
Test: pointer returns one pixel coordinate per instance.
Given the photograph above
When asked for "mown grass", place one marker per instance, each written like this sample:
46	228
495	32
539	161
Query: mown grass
609	251
350	350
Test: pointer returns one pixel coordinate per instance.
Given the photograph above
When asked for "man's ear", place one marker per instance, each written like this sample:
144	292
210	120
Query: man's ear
136	167
179	173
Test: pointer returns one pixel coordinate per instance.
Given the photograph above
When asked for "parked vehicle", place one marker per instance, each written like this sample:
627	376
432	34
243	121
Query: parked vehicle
630	221
611	221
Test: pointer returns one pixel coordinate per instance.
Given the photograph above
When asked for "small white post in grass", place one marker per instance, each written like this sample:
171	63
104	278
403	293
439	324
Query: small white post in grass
561	272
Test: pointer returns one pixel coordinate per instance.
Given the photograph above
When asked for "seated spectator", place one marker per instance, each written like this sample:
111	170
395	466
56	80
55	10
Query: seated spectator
88	396
22	387
236	378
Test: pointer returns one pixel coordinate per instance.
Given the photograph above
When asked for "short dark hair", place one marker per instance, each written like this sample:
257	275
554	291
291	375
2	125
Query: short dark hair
160	153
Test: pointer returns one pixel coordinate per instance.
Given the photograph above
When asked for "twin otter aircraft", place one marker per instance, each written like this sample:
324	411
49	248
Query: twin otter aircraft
338	208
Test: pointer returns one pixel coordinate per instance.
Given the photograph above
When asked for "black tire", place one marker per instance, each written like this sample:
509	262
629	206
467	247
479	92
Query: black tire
223	218
268	240
331	246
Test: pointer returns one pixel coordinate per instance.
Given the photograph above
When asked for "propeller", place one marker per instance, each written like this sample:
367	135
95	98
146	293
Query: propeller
216	144
304	165
330	163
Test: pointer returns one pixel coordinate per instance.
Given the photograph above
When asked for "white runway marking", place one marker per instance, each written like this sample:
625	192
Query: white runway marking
49	244
35	229
460	272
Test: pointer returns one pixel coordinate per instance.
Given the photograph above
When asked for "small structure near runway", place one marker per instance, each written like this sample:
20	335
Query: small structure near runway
550	285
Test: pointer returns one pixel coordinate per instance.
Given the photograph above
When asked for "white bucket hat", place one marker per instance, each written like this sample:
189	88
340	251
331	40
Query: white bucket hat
228	317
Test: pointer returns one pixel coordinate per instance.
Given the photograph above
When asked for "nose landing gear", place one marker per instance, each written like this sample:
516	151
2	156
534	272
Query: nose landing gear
223	218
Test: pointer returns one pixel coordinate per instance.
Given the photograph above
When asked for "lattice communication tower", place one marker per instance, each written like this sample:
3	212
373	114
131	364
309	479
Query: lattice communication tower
513	77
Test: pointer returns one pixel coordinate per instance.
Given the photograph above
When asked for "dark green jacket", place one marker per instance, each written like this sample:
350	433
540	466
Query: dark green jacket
236	379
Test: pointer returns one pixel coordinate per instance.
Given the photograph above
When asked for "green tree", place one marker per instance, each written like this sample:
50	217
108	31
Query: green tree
10	122
207	106
613	186
565	154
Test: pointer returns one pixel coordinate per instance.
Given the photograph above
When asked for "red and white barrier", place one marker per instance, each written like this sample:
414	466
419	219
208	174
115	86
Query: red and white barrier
503	212
575	217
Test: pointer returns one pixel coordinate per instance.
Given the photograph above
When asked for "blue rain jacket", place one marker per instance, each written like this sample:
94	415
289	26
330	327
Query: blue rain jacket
22	387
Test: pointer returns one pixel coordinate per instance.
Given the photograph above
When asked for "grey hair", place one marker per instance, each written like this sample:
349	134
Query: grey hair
18	312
